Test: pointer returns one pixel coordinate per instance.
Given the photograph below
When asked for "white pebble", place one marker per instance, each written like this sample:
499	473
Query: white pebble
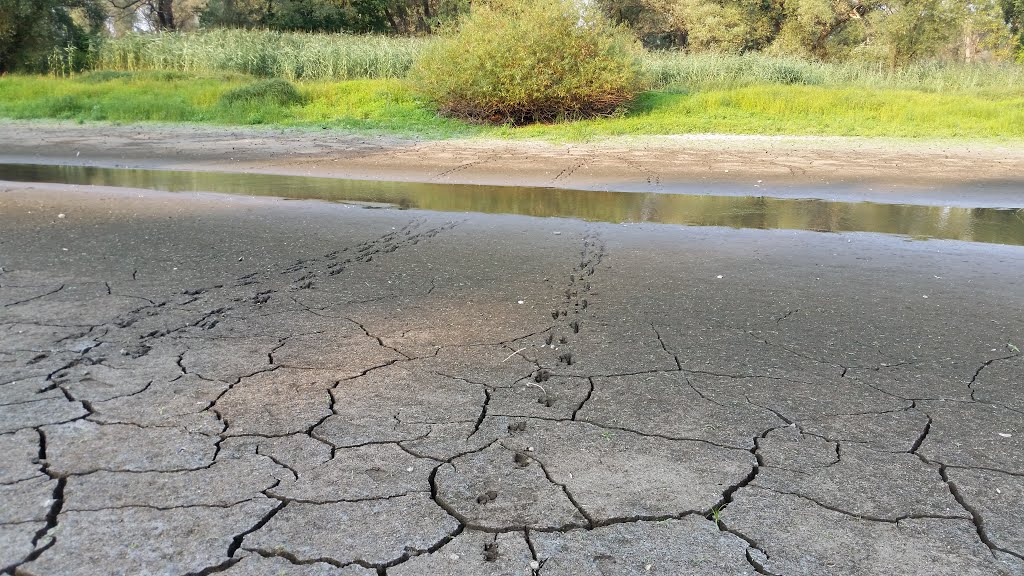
719	276
534	565
61	216
454	556
522	301
1002	435
409	469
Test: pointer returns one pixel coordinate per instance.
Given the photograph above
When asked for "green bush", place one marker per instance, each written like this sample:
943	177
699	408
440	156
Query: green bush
274	91
522	61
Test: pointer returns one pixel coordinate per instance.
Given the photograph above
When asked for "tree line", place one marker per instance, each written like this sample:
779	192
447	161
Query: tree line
895	32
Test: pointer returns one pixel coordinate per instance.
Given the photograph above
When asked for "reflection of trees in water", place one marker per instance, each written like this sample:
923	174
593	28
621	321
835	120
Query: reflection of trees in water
978	224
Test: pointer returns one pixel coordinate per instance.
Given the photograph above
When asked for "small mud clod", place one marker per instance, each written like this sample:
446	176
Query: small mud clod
549	339
541	375
565	359
135	351
521	460
491	551
546	400
517	427
563	340
575	325
554	314
489	496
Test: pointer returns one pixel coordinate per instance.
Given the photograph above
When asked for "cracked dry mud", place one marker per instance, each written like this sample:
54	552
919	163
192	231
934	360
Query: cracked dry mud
214	385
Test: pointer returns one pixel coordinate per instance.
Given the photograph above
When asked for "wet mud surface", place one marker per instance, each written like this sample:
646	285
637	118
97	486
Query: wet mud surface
243	386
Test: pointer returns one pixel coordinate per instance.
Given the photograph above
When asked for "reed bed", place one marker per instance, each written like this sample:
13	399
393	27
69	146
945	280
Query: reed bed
679	71
309	57
262	53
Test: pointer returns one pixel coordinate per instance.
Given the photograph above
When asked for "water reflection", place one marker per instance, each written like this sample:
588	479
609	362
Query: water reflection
970	224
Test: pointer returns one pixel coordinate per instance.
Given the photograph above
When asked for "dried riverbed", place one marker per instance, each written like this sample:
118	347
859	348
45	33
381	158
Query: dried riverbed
247	386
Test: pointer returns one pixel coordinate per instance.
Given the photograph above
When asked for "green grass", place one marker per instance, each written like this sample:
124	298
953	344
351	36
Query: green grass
359	105
806	110
389	106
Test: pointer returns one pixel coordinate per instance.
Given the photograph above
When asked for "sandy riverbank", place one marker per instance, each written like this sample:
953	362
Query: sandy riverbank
925	172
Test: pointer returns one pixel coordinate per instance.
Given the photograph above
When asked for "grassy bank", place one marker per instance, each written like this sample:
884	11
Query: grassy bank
388	105
356	83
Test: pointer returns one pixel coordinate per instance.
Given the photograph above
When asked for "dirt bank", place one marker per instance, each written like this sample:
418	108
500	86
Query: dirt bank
947	173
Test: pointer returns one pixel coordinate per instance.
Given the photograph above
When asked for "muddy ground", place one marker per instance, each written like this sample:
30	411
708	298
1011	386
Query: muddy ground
900	171
229	385
211	384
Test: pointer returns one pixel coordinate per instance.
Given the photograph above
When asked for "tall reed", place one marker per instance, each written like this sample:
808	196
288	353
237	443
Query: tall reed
708	71
304	56
294	56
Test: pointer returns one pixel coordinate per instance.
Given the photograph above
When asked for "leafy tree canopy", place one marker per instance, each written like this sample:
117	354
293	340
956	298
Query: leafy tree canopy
33	31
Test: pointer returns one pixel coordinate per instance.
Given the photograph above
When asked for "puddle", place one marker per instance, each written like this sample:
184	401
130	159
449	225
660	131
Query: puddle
991	225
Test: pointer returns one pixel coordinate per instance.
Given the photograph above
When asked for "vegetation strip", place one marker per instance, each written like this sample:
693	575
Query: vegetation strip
390	106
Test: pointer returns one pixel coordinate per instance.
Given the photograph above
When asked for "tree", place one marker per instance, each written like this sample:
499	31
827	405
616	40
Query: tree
908	30
1013	15
162	11
823	29
360	16
716	25
235	13
154	15
986	33
30	31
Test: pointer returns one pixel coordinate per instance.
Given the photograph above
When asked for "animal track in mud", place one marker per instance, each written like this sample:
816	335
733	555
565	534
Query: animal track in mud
464	166
334	263
487	497
576	296
651	176
568	171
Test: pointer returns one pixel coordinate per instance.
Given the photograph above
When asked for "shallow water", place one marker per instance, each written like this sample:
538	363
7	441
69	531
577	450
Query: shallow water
991	225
